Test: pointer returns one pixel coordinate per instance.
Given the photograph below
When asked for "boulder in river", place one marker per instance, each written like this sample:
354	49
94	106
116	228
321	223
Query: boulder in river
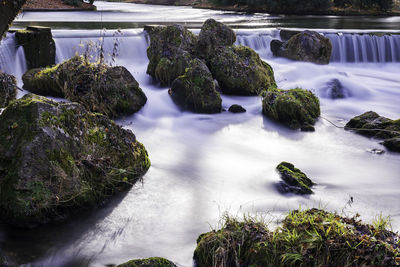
112	91
150	262
294	180
373	125
8	89
297	108
239	70
307	46
169	52
195	90
213	35
336	90
235	108
39	46
59	158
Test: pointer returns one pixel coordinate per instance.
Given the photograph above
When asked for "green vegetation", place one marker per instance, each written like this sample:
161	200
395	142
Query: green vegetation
306	238
150	262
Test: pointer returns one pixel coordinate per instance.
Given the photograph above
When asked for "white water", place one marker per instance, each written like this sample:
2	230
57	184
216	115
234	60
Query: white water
12	57
204	165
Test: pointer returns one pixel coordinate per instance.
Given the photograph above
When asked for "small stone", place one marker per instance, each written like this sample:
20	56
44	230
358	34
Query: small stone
235	108
294	180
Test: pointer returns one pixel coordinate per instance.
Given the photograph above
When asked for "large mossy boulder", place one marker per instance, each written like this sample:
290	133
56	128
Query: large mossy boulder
8	89
373	125
239	70
112	91
305	238
195	90
294	180
59	158
297	108
213	35
307	46
169	52
39	46
150	262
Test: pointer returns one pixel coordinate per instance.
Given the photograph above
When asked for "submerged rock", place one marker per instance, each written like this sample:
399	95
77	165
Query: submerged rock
235	108
373	125
195	90
213	35
239	70
8	89
39	46
169	52
297	108
58	158
112	91
305	46
305	238
294	180
150	262
336	90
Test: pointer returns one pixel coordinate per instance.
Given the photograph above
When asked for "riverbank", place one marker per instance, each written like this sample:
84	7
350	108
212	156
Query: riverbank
53	5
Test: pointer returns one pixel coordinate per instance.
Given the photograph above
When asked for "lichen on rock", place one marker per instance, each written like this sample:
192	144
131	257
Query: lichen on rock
8	89
112	91
297	108
58	158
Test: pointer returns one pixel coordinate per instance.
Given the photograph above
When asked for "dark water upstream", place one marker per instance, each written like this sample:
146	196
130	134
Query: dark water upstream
205	165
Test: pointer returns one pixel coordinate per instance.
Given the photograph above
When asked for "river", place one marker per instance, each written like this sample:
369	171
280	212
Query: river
206	165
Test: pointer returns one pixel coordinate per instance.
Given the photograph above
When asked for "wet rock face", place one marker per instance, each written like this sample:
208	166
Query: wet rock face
307	46
150	262
39	46
336	90
195	90
294	180
240	71
112	91
58	158
213	35
235	108
296	108
8	89
373	125
169	52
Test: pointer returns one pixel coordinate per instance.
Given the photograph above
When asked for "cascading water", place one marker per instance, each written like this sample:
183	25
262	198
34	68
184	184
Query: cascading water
352	47
12	57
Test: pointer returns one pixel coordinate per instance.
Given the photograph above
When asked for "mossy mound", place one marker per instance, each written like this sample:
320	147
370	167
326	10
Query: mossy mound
305	238
239	70
8	89
296	108
195	90
58	158
373	125
150	262
112	91
169	52
39	46
213	35
305	46
294	180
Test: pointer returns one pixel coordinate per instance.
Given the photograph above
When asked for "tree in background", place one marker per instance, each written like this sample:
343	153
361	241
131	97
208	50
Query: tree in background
8	10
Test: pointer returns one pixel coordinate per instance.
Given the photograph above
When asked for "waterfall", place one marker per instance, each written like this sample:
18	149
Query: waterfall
258	40
357	48
12	57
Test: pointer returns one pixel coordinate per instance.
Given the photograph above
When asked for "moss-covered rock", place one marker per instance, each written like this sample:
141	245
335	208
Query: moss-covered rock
213	35
195	90
169	52
305	238
235	108
112	91
305	46
373	125
39	46
8	89
58	158
239	70
297	108
294	180
150	262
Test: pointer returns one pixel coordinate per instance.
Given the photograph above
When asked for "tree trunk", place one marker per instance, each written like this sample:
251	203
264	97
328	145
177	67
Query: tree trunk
8	10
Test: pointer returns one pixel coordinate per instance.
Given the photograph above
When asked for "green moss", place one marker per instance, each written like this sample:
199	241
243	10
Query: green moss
305	238
150	262
296	108
295	177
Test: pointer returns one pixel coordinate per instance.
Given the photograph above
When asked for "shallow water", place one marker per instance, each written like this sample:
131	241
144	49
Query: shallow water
205	165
